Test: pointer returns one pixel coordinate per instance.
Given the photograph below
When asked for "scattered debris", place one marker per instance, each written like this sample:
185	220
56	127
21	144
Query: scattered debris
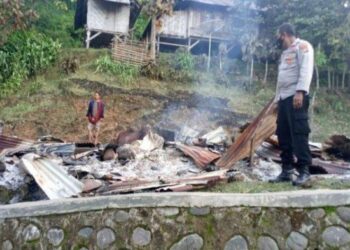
126	152
263	126
51	178
341	168
129	136
151	142
110	153
186	184
91	184
7	142
218	136
271	152
2	166
50	138
202	157
338	146
180	157
187	134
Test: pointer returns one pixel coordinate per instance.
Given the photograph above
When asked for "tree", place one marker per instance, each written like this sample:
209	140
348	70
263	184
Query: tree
156	8
244	22
323	23
320	62
14	14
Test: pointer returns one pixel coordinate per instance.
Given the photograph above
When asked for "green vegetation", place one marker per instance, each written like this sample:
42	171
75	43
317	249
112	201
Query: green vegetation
25	54
140	25
126	73
178	67
55	20
259	187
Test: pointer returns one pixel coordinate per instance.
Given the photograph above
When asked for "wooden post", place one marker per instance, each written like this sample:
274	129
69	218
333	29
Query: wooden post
87	42
266	71
312	111
209	53
251	156
329	79
153	38
251	73
158	44
317	77
189	45
343	78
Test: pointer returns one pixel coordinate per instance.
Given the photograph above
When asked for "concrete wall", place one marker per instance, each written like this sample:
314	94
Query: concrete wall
294	220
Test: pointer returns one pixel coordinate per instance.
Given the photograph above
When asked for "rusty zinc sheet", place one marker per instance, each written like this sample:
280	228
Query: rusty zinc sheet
197	182
263	127
201	156
12	142
50	177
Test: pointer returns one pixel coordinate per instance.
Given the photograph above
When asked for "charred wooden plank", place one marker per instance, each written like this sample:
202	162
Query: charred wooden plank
338	146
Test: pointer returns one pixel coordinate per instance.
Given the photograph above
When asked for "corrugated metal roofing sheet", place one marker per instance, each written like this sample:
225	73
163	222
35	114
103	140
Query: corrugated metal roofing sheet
51	178
12	142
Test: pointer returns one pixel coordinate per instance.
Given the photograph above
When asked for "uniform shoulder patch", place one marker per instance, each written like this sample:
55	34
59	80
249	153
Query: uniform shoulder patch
304	47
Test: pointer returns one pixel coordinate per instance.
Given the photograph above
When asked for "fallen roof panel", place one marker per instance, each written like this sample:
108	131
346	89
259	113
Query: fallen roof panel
12	142
202	157
341	168
262	128
196	182
51	178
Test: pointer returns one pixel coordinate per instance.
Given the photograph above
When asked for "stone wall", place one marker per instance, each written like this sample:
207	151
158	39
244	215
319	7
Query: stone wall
181	221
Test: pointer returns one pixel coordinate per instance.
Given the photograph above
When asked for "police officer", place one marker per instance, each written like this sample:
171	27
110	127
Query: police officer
292	95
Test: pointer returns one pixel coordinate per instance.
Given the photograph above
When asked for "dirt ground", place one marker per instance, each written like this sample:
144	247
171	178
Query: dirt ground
55	103
64	116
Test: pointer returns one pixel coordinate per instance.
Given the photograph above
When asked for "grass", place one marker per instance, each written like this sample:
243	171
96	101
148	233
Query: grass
262	187
17	112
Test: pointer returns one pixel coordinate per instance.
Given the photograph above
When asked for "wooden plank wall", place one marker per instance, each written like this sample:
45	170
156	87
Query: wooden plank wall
108	16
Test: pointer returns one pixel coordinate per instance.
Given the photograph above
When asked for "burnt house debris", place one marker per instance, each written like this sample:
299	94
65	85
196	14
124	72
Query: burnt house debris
12	142
263	127
338	146
169	156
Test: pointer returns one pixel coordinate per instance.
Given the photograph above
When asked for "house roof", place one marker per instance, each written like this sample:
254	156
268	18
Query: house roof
226	3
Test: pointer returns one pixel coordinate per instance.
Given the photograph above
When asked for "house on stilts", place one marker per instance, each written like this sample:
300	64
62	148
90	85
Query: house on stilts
194	22
114	17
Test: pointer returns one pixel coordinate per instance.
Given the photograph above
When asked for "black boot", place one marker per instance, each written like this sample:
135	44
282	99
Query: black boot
285	176
304	176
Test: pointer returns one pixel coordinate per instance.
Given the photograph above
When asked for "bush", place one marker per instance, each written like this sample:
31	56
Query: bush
56	21
170	67
126	73
183	60
26	53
